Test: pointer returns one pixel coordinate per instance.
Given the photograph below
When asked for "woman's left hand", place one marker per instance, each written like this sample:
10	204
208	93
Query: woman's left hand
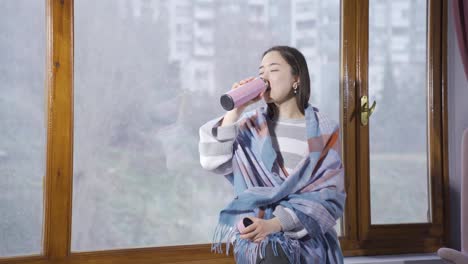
260	229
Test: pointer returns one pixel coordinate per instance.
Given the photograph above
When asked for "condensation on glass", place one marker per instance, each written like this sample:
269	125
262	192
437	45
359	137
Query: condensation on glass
398	127
147	75
22	126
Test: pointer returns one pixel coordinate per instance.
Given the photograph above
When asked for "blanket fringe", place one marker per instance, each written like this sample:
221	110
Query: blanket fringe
223	233
246	251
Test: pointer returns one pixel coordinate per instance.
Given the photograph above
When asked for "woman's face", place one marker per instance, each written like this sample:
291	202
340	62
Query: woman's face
277	72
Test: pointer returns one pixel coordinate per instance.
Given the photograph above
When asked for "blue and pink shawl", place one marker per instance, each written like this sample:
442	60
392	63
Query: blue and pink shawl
314	191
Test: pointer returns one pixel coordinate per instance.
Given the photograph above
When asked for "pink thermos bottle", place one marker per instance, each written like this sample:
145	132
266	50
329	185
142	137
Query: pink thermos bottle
243	94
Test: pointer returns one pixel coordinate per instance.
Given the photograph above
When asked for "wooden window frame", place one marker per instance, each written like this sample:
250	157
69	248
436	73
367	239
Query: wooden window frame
360	238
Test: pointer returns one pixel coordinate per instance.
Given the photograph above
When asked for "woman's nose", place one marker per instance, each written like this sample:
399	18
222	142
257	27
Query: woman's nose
265	78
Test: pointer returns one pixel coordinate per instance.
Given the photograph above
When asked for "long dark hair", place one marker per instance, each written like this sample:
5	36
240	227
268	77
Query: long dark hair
298	68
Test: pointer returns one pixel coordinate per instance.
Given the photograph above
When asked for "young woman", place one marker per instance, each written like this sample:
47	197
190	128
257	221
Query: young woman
284	163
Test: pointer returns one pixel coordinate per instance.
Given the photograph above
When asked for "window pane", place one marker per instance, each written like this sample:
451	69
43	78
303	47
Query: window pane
22	126
147	75
398	137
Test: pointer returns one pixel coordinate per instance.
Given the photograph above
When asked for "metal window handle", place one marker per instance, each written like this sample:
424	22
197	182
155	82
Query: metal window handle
366	112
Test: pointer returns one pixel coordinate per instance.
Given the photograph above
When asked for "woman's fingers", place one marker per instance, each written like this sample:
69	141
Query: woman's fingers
249	79
246	80
242	82
235	85
258	239
251	227
252	230
249	235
